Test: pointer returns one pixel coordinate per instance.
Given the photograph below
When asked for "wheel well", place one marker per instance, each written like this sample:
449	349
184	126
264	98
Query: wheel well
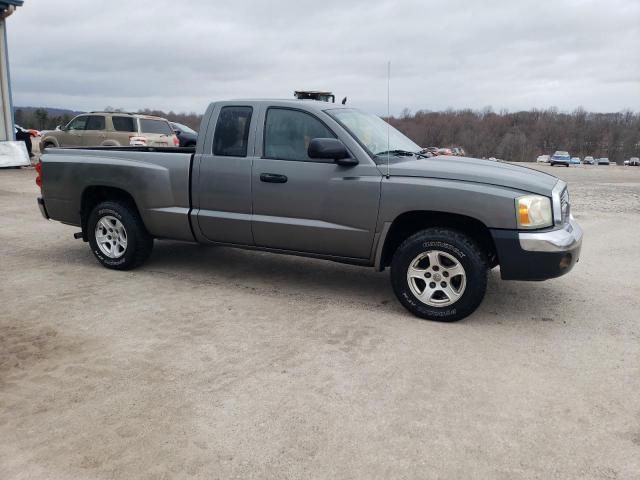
93	195
412	222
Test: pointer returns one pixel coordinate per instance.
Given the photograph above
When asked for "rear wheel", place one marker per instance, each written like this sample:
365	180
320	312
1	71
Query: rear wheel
439	274
117	236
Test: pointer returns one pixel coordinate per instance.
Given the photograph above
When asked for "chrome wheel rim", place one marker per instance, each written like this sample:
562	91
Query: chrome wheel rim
111	237
436	278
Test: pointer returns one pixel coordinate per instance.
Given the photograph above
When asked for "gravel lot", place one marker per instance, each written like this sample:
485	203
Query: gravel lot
215	363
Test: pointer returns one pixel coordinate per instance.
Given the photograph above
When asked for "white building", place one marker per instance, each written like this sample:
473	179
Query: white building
7	7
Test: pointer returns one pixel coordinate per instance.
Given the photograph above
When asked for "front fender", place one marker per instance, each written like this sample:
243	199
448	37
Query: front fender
492	205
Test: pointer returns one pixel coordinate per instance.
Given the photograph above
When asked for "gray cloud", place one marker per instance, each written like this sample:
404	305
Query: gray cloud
460	54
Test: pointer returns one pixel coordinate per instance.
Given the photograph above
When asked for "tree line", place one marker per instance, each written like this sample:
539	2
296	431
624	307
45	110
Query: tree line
522	136
515	136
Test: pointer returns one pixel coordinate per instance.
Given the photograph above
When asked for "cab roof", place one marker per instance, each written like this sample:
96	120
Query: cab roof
306	104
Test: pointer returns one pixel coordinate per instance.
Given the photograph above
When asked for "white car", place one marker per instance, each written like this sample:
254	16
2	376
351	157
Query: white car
543	159
634	162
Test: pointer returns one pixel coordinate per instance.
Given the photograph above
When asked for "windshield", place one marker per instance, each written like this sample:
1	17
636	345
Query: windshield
371	131
183	128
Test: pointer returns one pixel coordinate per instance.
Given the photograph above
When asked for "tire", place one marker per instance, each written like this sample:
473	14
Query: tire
466	289
119	252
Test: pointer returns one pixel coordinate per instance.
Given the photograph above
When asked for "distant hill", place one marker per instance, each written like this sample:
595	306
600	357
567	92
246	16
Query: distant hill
51	112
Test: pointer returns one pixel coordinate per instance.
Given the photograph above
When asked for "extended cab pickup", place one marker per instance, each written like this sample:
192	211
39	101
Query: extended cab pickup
321	180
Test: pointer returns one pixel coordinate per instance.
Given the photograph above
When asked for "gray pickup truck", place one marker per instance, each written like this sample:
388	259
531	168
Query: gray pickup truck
321	180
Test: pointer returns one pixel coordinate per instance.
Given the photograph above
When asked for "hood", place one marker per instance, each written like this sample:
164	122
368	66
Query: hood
474	170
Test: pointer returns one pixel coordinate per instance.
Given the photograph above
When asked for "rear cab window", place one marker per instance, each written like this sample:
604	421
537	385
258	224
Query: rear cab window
160	127
231	135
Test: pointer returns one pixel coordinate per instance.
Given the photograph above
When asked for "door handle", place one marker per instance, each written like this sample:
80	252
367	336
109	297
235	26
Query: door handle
273	178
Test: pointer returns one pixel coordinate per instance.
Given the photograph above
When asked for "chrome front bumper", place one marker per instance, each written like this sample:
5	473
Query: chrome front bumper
565	239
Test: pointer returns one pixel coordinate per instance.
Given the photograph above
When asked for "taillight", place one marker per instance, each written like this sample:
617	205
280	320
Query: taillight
176	142
39	174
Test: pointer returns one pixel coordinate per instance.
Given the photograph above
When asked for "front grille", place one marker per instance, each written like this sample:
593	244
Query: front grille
565	206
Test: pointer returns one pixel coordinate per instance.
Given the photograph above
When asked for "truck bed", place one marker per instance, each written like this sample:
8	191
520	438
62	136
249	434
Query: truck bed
156	178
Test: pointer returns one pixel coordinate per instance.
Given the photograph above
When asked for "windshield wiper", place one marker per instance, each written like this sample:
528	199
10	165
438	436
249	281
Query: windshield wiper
401	153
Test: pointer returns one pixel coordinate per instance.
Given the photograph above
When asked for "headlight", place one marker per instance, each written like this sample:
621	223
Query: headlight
533	211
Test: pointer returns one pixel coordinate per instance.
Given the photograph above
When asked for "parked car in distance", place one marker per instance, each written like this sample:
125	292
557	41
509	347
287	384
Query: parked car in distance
543	159
575	161
187	136
602	161
111	129
561	158
588	160
634	162
445	151
325	181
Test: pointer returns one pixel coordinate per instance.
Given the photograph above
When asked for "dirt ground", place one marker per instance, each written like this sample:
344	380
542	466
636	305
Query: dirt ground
216	363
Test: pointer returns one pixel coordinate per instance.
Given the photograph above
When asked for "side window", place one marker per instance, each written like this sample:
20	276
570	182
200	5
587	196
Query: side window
150	125
287	134
232	132
123	124
78	123
95	122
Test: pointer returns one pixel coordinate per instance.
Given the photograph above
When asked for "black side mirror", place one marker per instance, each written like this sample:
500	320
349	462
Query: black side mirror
331	149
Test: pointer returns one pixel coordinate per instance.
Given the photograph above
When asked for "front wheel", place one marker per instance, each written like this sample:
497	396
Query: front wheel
118	238
439	274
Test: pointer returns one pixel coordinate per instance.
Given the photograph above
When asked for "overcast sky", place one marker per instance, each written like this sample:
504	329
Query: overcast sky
181	55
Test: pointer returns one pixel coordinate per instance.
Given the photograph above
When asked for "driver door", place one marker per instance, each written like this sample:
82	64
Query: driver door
73	132
306	205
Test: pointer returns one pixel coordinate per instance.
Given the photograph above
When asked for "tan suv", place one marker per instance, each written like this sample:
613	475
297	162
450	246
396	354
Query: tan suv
112	129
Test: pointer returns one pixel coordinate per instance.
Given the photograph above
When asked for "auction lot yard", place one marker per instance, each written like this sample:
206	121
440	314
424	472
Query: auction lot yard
216	363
